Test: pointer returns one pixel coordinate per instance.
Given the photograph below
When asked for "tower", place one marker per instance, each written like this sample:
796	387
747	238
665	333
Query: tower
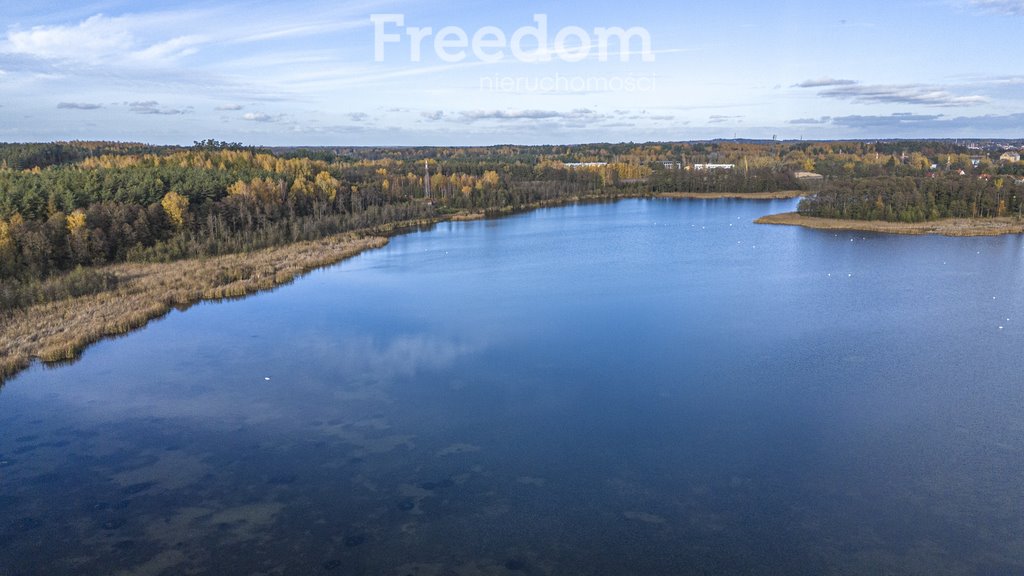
426	179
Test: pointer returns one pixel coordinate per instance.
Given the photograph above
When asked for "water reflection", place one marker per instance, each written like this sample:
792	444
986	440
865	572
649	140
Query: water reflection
640	387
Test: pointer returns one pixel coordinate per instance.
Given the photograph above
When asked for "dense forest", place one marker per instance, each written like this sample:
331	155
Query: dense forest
76	205
909	199
91	204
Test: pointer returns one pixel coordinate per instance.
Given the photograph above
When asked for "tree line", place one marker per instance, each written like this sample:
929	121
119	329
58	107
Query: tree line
910	199
78	205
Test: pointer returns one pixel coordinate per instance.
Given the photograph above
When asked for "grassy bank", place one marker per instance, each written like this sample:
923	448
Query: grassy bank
948	227
58	331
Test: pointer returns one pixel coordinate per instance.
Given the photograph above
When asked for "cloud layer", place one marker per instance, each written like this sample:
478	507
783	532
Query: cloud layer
1012	7
912	94
305	73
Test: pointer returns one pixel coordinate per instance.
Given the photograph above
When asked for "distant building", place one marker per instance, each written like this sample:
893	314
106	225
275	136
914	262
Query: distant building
700	167
808	176
1010	157
584	164
669	165
976	160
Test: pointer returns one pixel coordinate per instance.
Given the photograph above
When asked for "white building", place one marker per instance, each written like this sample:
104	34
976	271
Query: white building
808	176
700	167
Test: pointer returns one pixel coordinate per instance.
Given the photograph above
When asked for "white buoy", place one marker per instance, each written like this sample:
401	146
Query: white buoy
267	378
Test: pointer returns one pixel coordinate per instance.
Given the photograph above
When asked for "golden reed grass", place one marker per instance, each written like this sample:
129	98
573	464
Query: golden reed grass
946	227
59	331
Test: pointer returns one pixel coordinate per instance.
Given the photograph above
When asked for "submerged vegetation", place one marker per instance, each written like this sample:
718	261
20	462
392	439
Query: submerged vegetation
96	238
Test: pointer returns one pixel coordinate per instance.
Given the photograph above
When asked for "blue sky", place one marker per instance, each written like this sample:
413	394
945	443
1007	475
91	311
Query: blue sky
306	73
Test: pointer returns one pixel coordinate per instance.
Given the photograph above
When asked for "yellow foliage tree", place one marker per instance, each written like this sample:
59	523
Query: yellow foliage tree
267	190
301	187
7	252
6	242
490	179
240	188
176	206
326	185
76	221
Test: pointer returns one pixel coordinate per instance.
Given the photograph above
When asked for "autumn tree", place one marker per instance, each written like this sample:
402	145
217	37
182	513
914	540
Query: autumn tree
176	207
8	252
326	191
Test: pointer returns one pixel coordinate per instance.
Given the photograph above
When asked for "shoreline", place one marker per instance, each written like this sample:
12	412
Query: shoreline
954	227
781	195
59	332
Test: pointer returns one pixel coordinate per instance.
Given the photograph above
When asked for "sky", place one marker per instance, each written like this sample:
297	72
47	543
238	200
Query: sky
369	72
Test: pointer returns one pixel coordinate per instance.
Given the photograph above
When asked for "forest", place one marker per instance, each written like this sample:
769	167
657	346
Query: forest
916	199
68	208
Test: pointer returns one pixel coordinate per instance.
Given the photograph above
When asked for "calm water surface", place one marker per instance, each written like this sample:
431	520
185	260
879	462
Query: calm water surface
645	387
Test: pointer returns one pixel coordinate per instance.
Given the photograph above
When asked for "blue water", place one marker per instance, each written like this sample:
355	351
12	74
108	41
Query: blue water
644	387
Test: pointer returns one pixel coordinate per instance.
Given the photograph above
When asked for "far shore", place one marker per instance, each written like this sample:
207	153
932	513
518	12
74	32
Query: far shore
780	195
946	227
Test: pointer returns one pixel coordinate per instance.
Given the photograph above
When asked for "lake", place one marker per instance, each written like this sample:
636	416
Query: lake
640	387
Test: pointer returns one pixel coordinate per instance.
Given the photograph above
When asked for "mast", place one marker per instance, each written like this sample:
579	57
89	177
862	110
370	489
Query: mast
426	179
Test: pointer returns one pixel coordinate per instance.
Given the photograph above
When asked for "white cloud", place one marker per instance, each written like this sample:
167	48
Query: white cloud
171	49
1012	7
153	107
824	82
919	94
906	94
78	106
721	119
577	114
259	117
811	121
92	40
931	125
